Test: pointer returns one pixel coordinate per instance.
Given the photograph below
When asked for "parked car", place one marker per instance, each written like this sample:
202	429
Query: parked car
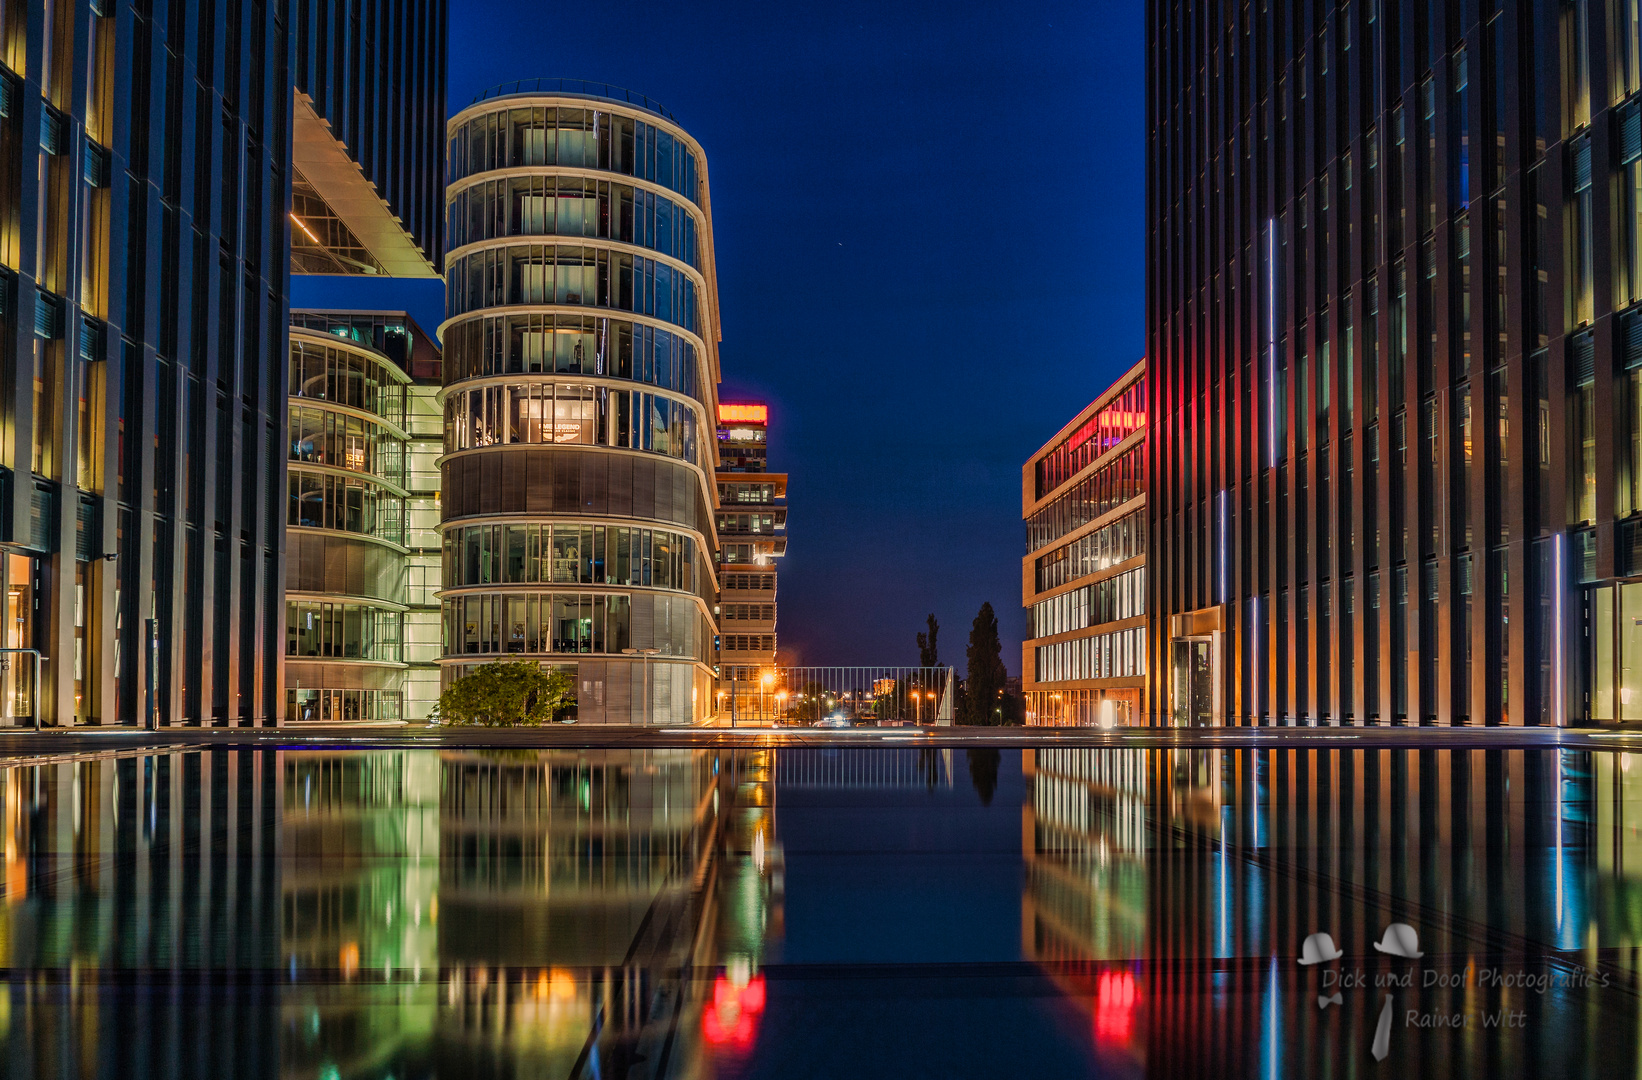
836	720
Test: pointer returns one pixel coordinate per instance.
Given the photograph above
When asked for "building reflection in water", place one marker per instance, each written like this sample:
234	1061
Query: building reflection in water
1169	893
377	914
606	914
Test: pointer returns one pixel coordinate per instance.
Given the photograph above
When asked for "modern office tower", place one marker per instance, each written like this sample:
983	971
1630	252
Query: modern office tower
581	375
1083	579
752	525
144	246
1393	260
367	137
362	543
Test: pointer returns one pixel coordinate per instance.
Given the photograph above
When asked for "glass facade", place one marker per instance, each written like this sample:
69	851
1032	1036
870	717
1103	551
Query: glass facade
1105	547
573	206
562	456
574	345
147	194
1424	268
348	538
1084	659
1124	416
557	412
586	135
1098	656
1117	480
572	552
539	275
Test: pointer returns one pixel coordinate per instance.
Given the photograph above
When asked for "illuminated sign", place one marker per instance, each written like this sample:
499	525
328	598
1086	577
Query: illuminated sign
747	414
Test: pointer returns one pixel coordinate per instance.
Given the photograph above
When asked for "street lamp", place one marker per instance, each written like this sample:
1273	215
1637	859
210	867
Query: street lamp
915	715
780	703
647	654
764	685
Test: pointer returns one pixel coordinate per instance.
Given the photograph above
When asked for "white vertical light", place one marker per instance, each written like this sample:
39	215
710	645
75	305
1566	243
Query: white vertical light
1256	676
1558	574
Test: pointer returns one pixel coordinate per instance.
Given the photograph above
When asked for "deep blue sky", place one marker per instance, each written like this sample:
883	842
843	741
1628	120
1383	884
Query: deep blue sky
929	241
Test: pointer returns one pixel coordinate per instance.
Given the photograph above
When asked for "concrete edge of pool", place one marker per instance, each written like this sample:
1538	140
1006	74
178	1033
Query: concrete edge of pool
28	743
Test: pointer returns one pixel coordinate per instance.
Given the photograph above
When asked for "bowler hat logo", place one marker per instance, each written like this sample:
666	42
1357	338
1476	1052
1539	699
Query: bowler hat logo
1318	949
1400	939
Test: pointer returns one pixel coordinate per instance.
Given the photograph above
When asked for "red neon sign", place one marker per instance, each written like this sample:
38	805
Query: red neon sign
746	414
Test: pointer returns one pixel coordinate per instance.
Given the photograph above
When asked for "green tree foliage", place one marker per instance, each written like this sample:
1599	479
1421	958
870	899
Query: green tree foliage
507	693
984	688
929	655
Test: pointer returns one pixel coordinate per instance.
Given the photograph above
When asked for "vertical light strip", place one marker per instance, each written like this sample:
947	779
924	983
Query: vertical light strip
1559	846
1271	337
1224	568
1256	676
1558	573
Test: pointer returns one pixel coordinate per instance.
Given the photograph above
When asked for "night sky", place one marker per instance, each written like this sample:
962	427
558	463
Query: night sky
929	240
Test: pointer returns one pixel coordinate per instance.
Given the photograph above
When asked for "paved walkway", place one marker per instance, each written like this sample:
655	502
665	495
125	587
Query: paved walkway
27	743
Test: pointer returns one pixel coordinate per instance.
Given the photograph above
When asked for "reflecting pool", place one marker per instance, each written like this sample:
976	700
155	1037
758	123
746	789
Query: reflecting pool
821	913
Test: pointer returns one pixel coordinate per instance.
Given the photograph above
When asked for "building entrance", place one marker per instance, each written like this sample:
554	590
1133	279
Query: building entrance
1194	682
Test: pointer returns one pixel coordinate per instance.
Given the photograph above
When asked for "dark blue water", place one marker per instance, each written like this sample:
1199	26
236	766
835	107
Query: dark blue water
819	913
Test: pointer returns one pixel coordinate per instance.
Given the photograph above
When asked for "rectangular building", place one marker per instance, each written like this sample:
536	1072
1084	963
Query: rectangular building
146	169
1083	579
752	524
1394	259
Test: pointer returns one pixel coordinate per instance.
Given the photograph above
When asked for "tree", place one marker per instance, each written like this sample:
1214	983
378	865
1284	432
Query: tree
983	771
983	689
507	693
928	654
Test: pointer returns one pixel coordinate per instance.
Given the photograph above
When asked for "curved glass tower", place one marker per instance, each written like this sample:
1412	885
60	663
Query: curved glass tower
345	528
581	374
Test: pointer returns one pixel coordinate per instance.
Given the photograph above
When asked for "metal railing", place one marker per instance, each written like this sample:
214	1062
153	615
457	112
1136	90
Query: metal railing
578	87
863	767
881	696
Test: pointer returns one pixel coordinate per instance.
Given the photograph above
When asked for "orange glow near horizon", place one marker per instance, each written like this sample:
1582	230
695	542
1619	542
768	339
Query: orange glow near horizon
745	414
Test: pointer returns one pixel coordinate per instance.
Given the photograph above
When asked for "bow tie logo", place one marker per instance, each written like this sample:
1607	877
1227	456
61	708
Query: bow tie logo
1325	1002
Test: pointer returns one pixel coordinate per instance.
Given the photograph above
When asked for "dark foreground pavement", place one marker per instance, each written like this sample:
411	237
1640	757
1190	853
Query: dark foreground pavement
15	744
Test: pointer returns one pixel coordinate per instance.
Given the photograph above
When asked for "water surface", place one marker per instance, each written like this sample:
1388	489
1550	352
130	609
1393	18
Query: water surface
818	913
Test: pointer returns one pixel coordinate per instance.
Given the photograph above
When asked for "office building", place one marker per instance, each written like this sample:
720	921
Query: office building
367	133
1393	263
752	525
1083	578
362	519
144	245
581	375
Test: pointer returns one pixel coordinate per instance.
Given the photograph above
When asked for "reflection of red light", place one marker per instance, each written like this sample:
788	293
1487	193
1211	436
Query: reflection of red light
1114	1007
731	1018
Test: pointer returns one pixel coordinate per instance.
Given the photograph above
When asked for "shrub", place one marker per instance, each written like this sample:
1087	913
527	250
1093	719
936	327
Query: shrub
507	693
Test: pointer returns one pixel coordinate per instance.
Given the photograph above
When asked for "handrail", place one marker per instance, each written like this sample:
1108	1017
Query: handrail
582	87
